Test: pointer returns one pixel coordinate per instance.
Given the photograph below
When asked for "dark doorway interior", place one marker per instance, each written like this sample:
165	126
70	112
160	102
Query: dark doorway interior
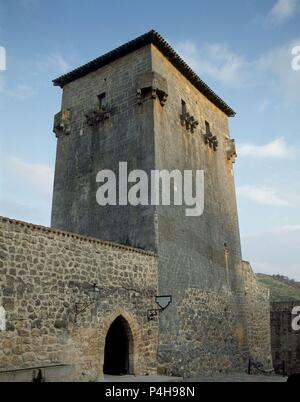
116	355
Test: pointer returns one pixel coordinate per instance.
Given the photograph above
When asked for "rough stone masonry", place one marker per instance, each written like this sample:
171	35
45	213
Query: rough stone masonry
285	340
143	105
44	273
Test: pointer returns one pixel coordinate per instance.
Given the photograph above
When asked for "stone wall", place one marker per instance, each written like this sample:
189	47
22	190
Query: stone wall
285	340
257	308
199	258
200	264
219	331
84	150
210	334
44	272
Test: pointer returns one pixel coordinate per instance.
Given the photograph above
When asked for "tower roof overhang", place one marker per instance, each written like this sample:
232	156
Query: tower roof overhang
151	37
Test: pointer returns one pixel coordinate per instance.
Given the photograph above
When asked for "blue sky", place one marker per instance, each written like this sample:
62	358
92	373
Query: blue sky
242	49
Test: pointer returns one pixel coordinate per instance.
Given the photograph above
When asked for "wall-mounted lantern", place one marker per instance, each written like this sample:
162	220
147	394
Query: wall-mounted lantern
94	296
163	303
94	293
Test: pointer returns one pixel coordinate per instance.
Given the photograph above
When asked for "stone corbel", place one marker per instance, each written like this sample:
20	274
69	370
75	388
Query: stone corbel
62	123
211	140
189	121
231	150
152	85
94	117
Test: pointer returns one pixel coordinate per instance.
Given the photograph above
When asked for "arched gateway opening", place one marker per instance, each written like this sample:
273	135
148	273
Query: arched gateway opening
118	348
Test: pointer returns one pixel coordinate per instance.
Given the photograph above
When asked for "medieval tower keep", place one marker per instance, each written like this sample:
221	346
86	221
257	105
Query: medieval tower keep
143	105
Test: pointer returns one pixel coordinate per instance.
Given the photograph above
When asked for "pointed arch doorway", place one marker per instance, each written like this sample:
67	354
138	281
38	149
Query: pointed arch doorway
118	350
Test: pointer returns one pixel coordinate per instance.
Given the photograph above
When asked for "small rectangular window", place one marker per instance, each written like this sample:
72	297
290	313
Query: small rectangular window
183	107
102	101
207	127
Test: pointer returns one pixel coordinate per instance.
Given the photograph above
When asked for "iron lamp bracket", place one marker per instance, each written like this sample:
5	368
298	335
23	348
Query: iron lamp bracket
163	303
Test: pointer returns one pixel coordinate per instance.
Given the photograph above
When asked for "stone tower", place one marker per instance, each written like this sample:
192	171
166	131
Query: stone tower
143	105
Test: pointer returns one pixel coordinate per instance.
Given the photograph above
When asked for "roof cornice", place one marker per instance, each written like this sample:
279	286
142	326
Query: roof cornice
151	37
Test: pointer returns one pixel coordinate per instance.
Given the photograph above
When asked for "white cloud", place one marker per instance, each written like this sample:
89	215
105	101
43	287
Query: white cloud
275	149
286	229
26	190
2	82
275	251
271	72
188	50
53	63
35	211
274	74
18	92
281	12
292	271
21	92
262	195
37	176
217	61
263	105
